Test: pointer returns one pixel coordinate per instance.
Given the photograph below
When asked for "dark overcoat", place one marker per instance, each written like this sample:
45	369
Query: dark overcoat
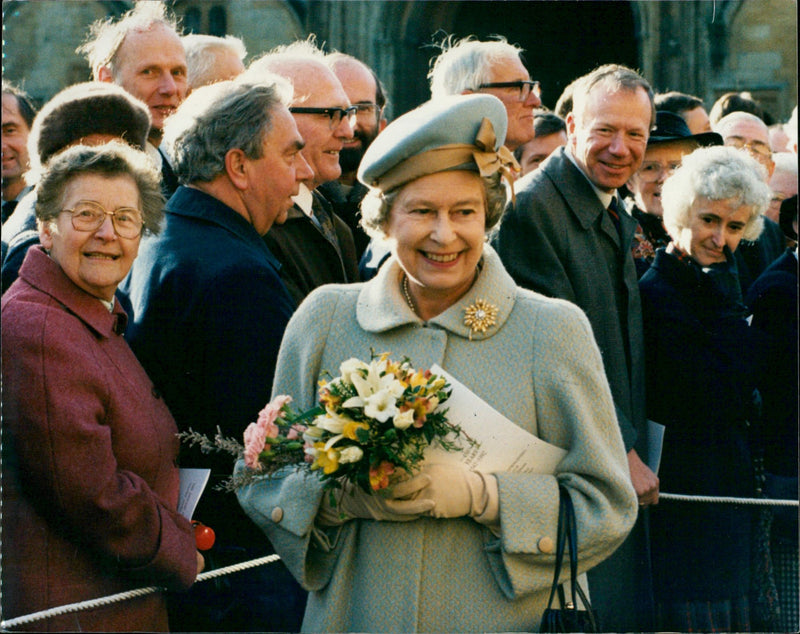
700	379
90	485
312	255
209	314
559	240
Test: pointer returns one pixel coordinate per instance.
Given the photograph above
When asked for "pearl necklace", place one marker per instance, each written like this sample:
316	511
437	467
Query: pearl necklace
408	295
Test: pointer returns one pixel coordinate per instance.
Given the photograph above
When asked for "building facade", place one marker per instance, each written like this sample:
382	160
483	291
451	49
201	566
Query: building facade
703	47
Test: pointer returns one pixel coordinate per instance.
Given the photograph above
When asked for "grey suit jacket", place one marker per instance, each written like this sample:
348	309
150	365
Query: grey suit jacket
559	240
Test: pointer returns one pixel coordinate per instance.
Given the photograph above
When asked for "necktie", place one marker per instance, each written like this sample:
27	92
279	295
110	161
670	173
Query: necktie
613	212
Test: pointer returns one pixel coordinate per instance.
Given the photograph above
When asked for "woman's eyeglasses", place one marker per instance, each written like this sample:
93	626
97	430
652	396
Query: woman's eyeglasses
88	215
334	114
651	171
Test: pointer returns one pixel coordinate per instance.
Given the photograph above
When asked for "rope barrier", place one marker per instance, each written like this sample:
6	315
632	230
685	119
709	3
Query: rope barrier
130	594
212	574
726	500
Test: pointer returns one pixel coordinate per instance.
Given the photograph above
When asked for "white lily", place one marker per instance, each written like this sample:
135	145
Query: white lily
381	406
350	368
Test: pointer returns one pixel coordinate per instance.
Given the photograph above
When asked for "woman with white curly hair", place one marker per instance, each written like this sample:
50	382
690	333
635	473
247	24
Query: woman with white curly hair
701	370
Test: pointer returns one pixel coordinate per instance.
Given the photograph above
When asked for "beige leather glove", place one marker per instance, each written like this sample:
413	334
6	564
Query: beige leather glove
399	505
459	492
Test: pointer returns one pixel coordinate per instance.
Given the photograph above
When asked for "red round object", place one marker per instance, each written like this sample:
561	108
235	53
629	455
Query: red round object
203	536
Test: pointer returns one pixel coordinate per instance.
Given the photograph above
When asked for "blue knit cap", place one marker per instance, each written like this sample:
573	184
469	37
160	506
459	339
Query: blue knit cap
457	132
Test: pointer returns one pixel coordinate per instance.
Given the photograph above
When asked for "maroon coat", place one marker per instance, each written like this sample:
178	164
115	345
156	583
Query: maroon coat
90	482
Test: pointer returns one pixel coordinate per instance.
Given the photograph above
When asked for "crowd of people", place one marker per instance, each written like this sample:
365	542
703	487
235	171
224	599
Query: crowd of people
188	235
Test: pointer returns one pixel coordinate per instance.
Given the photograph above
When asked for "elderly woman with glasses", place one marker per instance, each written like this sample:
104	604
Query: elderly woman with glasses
701	375
450	549
90	483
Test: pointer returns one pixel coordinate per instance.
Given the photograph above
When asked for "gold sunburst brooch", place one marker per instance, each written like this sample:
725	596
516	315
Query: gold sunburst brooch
480	316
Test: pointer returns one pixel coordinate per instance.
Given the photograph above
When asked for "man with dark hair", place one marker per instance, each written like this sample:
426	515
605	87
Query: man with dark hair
737	102
365	92
689	107
18	114
568	236
551	134
209	312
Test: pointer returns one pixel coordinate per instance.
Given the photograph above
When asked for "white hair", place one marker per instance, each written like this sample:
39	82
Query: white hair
202	52
715	173
466	64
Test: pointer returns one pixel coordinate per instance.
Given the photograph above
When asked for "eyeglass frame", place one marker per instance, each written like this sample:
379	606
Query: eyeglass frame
535	87
741	144
364	106
331	114
113	215
668	170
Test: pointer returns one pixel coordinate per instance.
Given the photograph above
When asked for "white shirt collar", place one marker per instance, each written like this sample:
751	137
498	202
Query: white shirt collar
304	200
604	196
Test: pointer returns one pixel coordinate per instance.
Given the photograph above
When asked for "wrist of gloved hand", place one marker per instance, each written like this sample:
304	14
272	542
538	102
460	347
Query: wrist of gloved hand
459	492
398	504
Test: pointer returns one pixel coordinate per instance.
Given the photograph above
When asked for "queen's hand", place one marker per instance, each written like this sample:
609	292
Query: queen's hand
458	492
399	503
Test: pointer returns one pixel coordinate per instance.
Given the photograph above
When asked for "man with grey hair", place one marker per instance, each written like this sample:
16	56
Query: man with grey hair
314	245
143	53
209	312
568	236
210	58
494	67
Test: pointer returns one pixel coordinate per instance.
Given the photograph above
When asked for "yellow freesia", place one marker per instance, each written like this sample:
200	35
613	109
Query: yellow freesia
352	427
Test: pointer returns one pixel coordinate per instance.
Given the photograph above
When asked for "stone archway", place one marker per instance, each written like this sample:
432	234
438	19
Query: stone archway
563	40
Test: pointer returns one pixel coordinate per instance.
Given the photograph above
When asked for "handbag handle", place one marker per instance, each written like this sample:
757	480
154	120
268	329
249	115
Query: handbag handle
567	537
560	540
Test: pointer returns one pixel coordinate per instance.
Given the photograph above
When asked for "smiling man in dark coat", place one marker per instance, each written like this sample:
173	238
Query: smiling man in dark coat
567	236
209	313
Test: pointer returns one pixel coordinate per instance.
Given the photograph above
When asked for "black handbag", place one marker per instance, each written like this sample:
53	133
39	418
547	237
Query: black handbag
568	618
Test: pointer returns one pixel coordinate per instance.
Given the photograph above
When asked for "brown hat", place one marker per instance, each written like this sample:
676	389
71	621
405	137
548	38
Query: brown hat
88	108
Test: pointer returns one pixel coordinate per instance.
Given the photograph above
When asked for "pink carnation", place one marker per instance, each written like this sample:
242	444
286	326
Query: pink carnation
254	439
270	413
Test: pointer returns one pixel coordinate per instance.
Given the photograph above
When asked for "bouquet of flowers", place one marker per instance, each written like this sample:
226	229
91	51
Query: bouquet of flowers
373	422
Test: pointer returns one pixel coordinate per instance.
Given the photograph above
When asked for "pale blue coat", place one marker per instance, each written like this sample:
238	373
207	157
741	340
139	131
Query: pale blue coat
541	368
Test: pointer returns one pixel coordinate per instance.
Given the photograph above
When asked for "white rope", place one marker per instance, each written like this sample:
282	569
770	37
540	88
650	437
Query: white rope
726	500
212	574
130	594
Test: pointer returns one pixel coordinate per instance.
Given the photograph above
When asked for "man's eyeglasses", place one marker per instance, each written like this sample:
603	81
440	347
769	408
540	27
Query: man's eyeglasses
334	114
758	148
368	110
525	87
651	171
88	215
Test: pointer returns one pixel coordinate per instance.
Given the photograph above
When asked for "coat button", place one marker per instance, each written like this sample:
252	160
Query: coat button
546	545
277	514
